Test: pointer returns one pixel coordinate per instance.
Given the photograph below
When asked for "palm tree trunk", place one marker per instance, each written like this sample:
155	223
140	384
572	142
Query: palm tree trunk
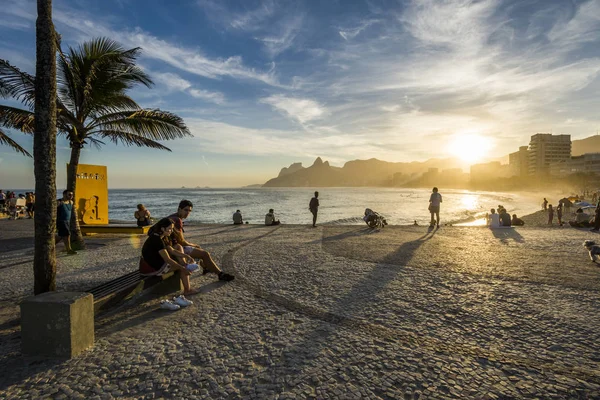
77	242
44	151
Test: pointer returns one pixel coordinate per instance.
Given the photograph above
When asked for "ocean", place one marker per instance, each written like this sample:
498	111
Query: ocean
338	205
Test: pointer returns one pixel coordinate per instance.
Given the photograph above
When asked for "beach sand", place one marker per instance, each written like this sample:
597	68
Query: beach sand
330	312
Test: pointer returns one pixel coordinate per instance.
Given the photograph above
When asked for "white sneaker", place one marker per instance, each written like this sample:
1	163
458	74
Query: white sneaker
168	305
182	301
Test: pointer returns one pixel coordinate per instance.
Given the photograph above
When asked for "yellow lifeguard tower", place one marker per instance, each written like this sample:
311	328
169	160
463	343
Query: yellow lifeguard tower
91	200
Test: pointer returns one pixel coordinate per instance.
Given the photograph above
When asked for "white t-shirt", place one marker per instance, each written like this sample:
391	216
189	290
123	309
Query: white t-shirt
494	220
435	199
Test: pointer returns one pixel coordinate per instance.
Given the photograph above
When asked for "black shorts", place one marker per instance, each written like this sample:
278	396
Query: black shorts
434	209
62	228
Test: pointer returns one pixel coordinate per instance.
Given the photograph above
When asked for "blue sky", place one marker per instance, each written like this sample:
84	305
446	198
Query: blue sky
262	84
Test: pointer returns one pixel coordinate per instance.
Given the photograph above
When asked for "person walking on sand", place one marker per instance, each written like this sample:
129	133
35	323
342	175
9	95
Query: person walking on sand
545	204
550	214
434	207
63	220
179	243
313	206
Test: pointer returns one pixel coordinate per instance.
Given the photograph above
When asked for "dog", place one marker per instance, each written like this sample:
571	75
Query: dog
593	248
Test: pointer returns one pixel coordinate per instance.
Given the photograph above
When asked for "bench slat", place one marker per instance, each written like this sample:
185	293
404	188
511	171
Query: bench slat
109	284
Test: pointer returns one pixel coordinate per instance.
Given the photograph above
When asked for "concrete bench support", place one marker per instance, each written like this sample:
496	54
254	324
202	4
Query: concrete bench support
57	324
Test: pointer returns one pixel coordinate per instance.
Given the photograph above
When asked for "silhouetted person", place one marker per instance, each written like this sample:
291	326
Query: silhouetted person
545	204
237	218
313	206
434	206
597	219
517	221
559	213
270	218
504	217
550	214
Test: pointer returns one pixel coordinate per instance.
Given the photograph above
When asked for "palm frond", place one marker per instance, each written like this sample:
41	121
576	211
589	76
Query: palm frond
150	124
4	139
97	71
130	139
17	84
16	118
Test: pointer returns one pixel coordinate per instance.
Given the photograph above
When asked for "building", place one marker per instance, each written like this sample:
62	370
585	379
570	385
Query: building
546	149
489	171
585	163
519	161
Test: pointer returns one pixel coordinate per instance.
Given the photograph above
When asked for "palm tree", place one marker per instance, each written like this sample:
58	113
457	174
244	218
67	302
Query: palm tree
93	104
44	150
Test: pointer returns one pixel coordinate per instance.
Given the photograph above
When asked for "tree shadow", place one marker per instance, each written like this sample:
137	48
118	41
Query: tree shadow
505	234
358	299
13	244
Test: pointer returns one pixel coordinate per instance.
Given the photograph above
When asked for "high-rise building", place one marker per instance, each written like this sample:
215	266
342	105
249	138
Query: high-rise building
546	149
519	161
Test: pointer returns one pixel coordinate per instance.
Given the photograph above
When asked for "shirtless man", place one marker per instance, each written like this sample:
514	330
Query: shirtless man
191	249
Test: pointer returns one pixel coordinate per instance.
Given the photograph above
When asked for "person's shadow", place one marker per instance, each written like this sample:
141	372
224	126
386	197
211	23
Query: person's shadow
506	234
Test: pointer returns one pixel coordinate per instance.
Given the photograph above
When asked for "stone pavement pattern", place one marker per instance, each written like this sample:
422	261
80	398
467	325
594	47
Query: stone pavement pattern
334	312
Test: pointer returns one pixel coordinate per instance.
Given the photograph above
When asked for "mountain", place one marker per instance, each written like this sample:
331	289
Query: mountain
587	145
371	172
291	169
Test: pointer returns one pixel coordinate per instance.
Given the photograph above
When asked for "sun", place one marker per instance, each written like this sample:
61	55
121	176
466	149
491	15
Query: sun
469	147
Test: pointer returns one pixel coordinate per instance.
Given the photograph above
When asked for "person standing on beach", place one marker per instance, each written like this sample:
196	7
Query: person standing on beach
180	244
550	214
313	206
559	212
545	204
434	207
63	220
596	227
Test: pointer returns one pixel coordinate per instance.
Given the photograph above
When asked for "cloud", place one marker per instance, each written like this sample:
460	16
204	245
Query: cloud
73	24
174	82
351	33
302	110
171	81
213	97
283	37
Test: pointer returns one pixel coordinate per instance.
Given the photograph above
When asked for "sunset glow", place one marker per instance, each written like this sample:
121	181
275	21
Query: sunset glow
470	148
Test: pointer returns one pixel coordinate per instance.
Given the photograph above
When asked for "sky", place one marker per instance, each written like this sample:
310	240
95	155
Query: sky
263	84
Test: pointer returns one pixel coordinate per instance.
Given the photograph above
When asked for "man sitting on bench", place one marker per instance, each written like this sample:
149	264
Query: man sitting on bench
179	243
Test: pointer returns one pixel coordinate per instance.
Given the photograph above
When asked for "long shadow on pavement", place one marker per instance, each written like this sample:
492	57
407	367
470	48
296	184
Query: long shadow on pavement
359	298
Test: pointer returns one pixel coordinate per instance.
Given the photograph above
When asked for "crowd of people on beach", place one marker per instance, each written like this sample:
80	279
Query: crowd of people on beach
17	206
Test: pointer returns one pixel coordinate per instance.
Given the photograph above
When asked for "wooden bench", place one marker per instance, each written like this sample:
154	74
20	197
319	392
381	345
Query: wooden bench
132	284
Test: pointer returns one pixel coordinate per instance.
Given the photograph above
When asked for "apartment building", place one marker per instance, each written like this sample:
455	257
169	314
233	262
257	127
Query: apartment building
546	149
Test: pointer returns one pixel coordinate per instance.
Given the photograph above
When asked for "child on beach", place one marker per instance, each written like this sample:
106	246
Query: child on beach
550	214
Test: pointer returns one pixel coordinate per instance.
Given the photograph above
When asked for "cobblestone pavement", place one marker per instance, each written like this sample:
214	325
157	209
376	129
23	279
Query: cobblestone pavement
337	312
